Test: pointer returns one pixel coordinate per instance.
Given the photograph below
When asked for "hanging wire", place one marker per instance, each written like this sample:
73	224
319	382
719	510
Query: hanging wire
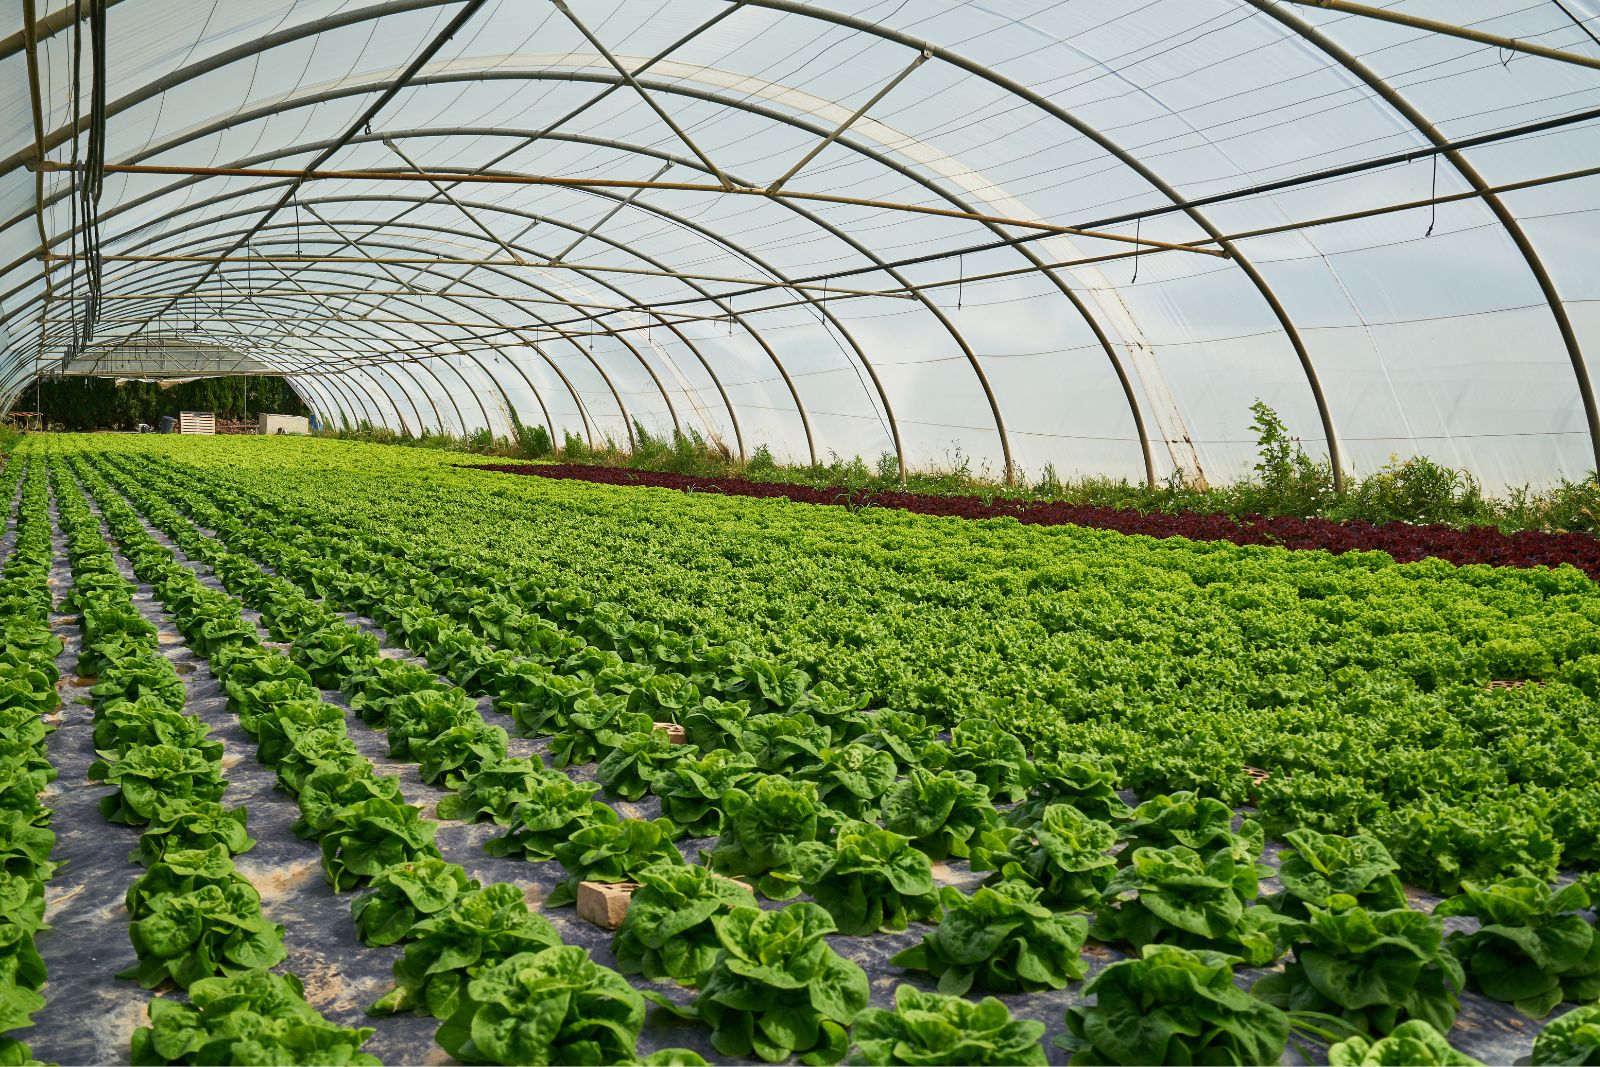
1433	207
961	282
1137	259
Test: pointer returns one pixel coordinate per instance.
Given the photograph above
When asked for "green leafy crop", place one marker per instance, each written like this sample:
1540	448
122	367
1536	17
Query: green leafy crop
869	879
1571	1040
777	989
1172	1005
215	930
668	932
1176	896
612	852
148	775
1533	949
250	1018
638	758
941	812
1085	783
1374	969
851	779
1411	1044
1065	853
764	831
1000	939
1317	867
496	790
931	1029
361	839
692	790
551	1006
554	809
481	928
401	896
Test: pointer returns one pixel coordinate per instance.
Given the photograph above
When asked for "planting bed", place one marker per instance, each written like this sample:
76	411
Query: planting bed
1406	542
952	760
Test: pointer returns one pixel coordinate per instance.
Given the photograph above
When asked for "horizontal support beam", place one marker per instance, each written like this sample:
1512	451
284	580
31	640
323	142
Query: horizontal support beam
435	177
1450	29
448	261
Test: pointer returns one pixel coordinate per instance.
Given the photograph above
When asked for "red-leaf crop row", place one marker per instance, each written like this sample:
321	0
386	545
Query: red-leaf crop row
1404	541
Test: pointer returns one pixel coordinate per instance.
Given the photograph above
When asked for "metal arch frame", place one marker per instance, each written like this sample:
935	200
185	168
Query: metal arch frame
250	48
511	408
567	336
807	10
702	231
370	337
299	362
1508	221
460	416
708	235
1122	155
933	309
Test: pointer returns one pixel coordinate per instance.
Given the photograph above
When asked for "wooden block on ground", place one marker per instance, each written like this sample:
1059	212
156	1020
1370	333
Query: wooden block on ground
605	903
675	733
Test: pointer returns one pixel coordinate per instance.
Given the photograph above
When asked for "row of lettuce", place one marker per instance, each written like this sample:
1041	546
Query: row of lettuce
791	774
28	674
195	922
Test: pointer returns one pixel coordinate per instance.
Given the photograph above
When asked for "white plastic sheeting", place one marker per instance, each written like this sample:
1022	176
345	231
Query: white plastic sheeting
1462	330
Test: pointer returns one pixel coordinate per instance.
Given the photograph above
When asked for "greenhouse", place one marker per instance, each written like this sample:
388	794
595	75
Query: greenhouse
733	531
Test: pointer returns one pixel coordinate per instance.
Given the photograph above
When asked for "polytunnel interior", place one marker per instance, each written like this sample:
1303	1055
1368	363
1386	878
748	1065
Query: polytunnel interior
1083	234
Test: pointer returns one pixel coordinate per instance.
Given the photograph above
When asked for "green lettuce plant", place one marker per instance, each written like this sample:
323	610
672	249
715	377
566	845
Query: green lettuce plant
360	840
1317	867
930	1028
401	896
1570	1040
777	989
942	812
454	755
851	779
1203	824
552	1006
995	756
1081	781
333	786
250	1018
1533	948
1414	1044
496	790
123	724
869	879
1000	939
1172	1005
1176	896
638	758
668	931
1373	969
554	810
1065	853
373	687
692	790
481	928
147	775
183	871
764	831
612	852
25	847
191	824
214	930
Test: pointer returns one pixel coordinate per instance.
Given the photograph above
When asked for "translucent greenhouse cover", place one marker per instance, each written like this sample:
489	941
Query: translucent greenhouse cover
1011	232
